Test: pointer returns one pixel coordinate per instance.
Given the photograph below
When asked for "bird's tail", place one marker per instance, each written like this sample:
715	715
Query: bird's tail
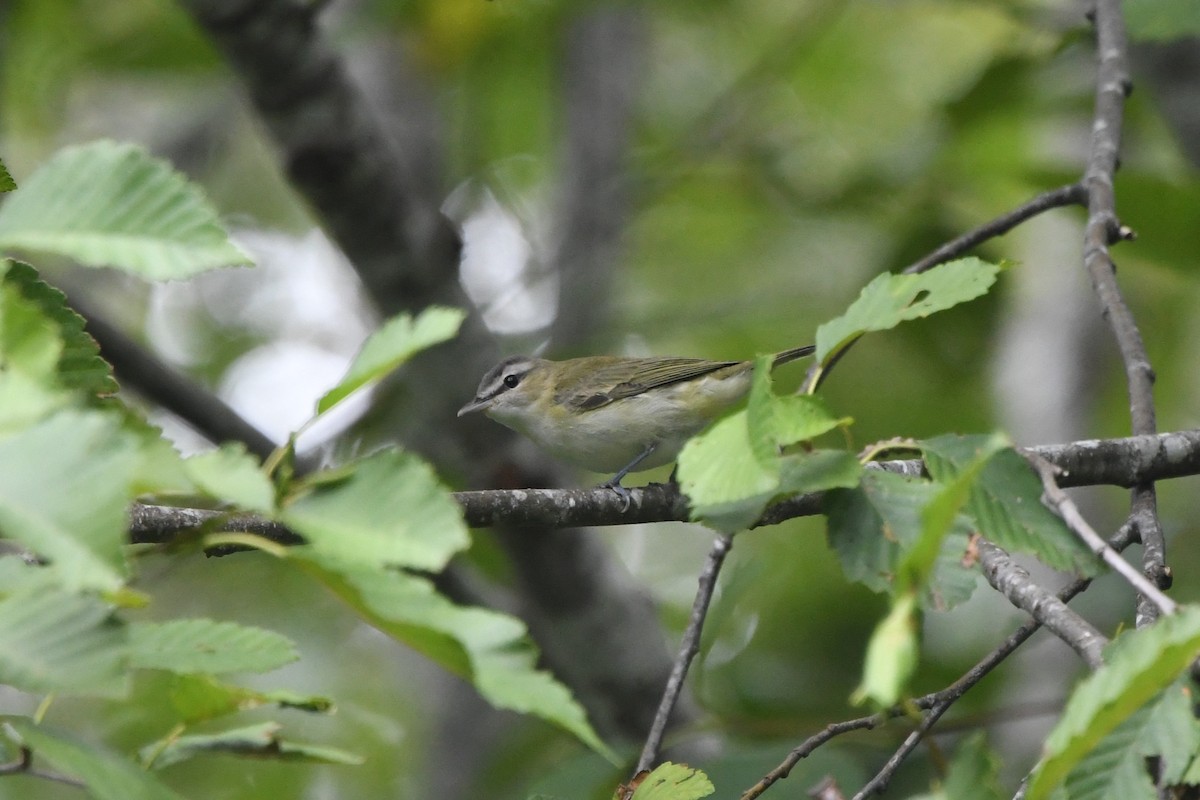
793	354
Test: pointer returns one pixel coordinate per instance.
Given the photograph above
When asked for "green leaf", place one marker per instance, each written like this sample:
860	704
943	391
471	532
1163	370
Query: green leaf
1006	503
939	515
205	645
7	184
720	466
733	470
396	342
391	510
107	204
107	776
260	741
1138	665
818	470
161	468
1161	20
890	299
25	400
871	526
30	342
79	366
490	649
1192	775
798	473
405	607
671	781
202	697
232	475
1116	768
53	641
892	655
974	772
801	417
64	490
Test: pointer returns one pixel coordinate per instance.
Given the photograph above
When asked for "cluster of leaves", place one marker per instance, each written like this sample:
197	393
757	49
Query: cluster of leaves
913	536
73	460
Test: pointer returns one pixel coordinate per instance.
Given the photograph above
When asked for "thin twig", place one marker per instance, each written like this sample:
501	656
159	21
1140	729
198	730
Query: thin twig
880	781
688	647
1072	194
1060	501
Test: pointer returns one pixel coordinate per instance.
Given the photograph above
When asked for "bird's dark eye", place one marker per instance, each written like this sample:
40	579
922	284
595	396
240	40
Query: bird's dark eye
511	381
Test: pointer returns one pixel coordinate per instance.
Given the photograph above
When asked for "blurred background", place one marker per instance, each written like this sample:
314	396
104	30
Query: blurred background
688	177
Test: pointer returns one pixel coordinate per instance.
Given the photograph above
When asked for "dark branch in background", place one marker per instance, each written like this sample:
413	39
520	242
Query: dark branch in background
689	646
603	54
1095	462
936	704
381	205
335	152
1103	229
148	375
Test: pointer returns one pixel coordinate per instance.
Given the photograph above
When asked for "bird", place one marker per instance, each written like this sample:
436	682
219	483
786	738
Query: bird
614	413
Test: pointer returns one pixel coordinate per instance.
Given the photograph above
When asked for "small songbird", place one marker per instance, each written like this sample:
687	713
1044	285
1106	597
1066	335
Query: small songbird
611	413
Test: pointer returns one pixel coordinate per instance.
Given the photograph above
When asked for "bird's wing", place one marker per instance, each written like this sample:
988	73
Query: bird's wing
652	373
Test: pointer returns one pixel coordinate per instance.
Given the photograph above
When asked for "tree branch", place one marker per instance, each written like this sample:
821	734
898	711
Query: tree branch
1070	195
689	645
334	150
1073	194
1114	462
1012	581
1103	228
158	382
1060	502
603	55
382	205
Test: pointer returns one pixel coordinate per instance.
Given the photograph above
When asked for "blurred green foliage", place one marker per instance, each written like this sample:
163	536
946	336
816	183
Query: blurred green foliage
784	154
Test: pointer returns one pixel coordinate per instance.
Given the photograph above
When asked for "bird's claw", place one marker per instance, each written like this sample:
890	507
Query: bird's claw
623	493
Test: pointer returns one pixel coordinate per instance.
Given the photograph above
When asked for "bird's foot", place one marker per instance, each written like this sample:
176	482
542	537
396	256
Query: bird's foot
623	493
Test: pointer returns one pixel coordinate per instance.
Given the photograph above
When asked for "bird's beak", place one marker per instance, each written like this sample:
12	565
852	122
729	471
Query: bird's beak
473	406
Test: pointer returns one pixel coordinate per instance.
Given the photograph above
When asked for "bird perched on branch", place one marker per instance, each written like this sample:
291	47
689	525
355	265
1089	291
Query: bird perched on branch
612	413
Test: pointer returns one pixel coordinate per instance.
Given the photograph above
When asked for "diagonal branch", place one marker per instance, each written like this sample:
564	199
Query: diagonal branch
1072	194
1057	499
689	646
138	368
1012	581
334	150
381	204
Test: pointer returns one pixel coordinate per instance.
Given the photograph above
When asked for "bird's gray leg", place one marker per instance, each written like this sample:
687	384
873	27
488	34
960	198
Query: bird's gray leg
614	482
